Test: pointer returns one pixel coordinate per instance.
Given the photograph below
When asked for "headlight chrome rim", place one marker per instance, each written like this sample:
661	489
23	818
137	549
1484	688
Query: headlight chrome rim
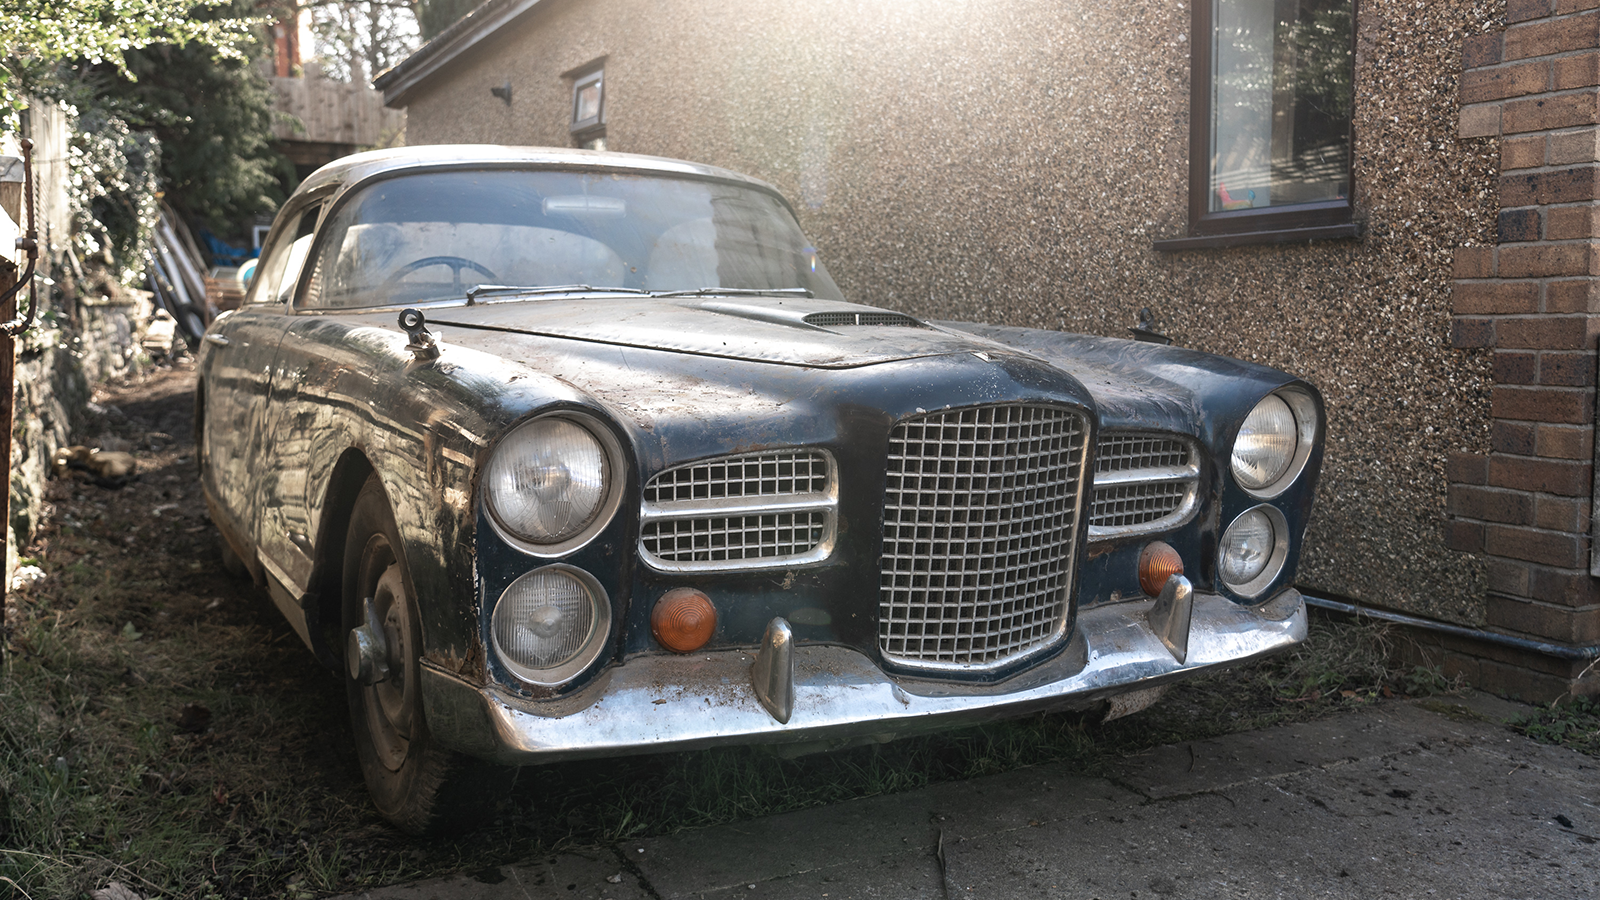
1278	555
1308	427
605	510
589	649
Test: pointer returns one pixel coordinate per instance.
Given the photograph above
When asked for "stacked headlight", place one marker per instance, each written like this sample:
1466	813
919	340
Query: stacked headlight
551	483
1253	550
550	624
1274	443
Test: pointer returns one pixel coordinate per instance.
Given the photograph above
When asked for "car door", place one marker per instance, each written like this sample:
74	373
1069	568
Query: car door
237	369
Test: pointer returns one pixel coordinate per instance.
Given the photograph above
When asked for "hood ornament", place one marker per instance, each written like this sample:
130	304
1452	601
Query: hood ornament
423	347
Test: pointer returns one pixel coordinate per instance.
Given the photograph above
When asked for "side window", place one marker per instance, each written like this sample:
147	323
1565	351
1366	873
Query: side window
1270	127
280	269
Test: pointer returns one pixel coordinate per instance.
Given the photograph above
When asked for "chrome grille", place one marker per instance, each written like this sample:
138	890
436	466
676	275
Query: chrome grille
979	522
740	512
1142	483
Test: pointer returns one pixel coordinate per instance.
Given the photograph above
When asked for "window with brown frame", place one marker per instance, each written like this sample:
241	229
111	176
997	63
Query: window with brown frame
1270	128
588	126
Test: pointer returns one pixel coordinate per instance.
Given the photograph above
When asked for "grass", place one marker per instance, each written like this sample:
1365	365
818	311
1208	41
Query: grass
106	775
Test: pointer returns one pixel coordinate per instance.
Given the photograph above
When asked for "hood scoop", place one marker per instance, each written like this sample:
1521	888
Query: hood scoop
878	319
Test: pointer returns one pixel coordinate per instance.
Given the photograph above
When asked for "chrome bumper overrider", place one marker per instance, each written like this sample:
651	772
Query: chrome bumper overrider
669	702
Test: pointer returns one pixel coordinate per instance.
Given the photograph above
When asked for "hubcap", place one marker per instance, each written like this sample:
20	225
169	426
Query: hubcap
391	702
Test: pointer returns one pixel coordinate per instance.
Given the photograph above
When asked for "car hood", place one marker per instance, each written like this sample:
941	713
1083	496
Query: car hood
755	329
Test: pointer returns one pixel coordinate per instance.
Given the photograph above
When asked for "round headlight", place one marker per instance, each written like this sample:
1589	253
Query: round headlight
550	624
1253	550
1275	442
549	481
1265	445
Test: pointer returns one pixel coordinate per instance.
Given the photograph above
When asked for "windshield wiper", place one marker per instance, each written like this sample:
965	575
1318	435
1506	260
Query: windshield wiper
482	289
738	292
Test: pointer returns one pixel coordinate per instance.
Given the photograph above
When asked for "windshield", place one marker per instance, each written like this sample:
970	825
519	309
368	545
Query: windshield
437	236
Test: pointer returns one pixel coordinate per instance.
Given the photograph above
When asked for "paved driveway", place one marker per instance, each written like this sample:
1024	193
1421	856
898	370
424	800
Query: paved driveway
1415	799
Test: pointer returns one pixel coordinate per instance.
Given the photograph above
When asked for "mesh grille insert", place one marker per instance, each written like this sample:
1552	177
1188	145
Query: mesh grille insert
1150	482
980	515
747	511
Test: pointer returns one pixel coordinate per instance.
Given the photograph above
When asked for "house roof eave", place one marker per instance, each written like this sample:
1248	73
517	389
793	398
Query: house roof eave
398	81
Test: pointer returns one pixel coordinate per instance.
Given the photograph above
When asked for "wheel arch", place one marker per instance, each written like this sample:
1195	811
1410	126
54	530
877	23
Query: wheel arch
349	474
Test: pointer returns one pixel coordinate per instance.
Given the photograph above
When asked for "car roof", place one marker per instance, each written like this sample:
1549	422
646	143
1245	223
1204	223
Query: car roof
360	167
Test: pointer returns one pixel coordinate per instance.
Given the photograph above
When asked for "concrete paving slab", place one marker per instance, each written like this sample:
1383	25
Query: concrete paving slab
574	875
1417	799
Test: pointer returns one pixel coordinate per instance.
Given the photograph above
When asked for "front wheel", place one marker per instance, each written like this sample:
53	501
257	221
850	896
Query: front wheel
416	784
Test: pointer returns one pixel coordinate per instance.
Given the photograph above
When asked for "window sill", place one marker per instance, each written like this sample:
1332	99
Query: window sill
1280	236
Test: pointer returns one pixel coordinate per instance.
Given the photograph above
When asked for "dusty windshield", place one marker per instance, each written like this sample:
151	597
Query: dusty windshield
438	236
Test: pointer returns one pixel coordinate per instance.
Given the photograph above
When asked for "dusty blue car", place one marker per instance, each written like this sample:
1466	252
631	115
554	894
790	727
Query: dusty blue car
558	454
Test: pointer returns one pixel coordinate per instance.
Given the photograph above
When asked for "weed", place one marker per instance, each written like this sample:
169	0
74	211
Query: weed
1575	724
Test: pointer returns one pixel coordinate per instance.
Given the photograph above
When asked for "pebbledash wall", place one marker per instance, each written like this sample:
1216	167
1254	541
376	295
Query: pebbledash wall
1013	161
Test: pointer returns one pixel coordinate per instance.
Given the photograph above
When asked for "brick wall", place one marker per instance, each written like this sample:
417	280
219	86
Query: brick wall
1533	301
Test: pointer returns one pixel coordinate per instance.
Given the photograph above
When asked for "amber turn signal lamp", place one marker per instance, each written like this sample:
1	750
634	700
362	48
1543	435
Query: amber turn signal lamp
1157	563
683	620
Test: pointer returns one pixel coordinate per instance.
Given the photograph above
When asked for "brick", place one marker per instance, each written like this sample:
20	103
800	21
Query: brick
1474	262
1466	468
1519	225
1572	258
1564	441
1513	438
1506	576
1572	185
1570	223
1552	548
1520	80
1521	153
1560	477
1563	587
1574	296
1516	368
1564	7
1550	112
1561	514
1566	369
1521	684
1494	298
1551	36
1488	504
1482	120
1578	146
1561	624
1466	334
1480	50
1523	10
1542	404
1568	72
1543	333
1464	537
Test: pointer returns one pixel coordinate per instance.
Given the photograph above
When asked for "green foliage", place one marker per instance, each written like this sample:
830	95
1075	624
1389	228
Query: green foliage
112	188
1575	725
435	16
214	121
40	32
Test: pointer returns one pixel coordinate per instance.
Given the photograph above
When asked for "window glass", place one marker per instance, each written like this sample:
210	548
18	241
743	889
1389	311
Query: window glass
436	236
276	277
1280	103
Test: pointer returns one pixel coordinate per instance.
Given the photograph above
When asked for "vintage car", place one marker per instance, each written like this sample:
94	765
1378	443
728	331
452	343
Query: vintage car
558	454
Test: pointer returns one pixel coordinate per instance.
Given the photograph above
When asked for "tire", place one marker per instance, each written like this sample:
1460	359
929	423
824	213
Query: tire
416	784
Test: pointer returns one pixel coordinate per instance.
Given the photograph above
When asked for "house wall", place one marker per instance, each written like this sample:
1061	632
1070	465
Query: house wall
1012	161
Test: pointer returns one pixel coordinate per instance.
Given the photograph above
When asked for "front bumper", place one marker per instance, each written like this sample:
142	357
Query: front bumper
663	703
